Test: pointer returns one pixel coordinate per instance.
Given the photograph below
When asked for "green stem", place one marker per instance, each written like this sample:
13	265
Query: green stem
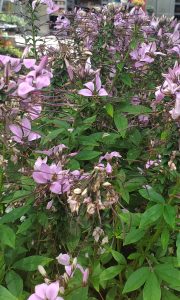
34	31
155	236
2	171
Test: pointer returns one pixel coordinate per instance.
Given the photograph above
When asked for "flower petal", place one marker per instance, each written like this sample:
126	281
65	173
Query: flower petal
90	86
24	88
34	297
33	136
52	291
56	187
39	177
29	63
63	259
40	290
98	82
108	168
42	81
102	92
26	126
16	129
85	92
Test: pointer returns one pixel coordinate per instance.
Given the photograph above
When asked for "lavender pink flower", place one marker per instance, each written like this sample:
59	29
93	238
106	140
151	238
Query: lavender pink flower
22	133
93	89
46	292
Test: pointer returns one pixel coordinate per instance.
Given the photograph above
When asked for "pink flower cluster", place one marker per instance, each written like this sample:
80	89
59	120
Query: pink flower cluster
51	6
108	157
93	89
171	87
71	267
145	54
54	290
22	133
36	79
58	180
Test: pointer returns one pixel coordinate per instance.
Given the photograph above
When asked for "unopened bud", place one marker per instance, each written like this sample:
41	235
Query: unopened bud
77	191
74	264
66	278
106	184
42	271
84	193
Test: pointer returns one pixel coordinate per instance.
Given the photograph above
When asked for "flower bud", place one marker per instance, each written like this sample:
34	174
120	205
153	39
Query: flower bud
77	191
106	184
74	263
66	278
42	271
84	193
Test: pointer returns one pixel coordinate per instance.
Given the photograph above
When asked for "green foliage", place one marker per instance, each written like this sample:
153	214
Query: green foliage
134	205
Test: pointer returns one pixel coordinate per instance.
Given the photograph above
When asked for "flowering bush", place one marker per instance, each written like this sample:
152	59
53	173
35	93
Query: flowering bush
90	159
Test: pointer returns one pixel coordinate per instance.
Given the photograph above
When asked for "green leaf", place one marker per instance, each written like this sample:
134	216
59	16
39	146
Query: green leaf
126	79
165	238
123	192
136	280
5	294
111	295
151	195
31	263
2	266
109	109
14	283
168	273
110	272
121	123
95	278
134	184
90	120
152	289
16	196
134	109
52	135
167	295
23	228
133	154
151	215
7	236
73	164
170	215
15	214
87	155
178	249
78	293
135	137
133	236
118	257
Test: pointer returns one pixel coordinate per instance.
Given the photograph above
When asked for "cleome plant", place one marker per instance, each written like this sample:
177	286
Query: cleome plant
90	158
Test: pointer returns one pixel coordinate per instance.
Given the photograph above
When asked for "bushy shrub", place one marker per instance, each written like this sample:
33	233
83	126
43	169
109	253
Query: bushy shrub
90	160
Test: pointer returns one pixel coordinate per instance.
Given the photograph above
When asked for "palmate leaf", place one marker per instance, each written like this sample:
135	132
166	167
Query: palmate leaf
111	272
152	289
7	236
121	123
168	273
136	279
14	283
5	294
31	263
